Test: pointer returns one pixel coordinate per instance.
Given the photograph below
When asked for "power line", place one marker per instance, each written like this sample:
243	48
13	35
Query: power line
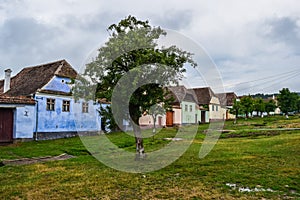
264	78
270	83
294	76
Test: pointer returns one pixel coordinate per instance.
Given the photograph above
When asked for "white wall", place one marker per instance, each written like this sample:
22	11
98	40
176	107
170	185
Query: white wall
216	112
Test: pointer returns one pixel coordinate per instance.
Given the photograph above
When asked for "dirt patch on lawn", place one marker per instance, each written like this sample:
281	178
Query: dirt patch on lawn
26	161
251	134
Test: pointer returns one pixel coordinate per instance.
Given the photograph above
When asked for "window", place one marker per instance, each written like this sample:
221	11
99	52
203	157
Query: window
50	104
191	108
66	106
217	108
212	107
85	107
186	108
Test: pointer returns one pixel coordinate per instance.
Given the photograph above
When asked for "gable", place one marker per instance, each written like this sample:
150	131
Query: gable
58	84
203	95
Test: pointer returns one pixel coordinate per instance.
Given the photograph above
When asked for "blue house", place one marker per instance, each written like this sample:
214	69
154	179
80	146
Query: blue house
40	104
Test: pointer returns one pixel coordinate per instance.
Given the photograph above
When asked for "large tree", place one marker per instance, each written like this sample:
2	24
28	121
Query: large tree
133	43
287	101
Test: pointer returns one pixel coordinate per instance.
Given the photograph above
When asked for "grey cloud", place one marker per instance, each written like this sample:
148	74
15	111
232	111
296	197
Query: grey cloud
174	19
90	22
17	33
25	40
284	30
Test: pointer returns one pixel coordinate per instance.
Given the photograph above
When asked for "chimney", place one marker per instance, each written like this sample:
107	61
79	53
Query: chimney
7	80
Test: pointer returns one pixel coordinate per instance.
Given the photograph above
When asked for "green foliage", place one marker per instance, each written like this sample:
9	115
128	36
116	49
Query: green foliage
133	43
259	106
236	108
270	106
247	105
287	100
298	104
108	123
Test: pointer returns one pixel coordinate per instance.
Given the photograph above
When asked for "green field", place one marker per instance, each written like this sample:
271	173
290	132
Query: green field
254	155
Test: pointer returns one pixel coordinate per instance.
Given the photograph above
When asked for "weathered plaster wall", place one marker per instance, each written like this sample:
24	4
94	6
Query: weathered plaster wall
24	121
215	110
59	121
60	84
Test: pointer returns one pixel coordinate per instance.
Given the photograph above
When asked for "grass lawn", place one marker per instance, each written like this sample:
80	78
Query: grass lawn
269	163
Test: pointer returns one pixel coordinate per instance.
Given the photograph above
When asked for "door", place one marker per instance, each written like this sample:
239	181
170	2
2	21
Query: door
6	125
159	121
169	118
203	116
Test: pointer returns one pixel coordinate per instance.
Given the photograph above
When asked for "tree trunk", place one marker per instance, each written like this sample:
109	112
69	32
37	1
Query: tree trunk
140	151
236	116
154	127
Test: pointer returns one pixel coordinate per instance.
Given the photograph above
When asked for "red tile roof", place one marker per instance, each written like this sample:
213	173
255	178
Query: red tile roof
16	100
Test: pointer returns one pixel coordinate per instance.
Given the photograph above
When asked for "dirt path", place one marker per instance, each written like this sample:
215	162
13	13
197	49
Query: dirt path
25	161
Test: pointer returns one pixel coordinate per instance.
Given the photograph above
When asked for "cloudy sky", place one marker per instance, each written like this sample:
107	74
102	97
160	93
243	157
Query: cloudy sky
254	44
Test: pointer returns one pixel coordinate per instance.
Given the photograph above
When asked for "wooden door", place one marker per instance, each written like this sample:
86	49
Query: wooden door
6	125
169	118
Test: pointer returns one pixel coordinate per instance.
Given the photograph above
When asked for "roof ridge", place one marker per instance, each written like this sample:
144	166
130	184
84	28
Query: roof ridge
59	67
49	63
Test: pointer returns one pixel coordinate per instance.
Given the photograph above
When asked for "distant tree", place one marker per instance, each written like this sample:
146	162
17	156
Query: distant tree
236	109
247	105
154	111
259	106
106	70
287	101
270	106
298	105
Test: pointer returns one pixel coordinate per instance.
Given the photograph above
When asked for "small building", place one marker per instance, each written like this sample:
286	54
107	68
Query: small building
45	94
17	118
227	100
185	108
209	105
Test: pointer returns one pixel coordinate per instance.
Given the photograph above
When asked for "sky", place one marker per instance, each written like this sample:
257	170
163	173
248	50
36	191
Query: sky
255	44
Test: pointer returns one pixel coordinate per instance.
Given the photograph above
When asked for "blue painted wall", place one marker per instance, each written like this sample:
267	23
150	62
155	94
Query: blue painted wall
24	120
59	121
25	123
59	84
